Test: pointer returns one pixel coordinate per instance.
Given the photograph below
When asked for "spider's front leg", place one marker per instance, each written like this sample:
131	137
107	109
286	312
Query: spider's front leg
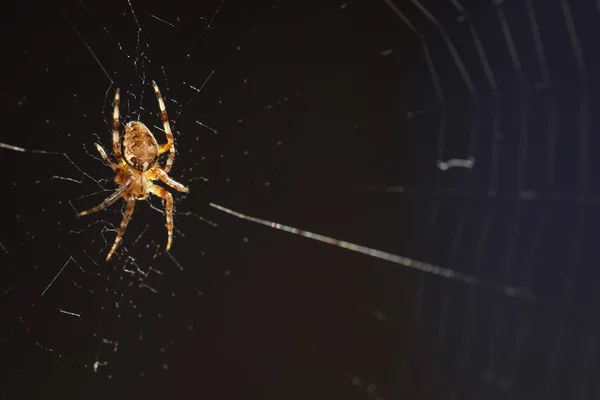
124	222
107	202
161	192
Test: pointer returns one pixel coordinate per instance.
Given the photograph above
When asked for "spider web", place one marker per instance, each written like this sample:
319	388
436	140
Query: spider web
426	166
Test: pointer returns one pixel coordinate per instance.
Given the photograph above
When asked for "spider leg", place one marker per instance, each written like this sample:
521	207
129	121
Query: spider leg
107	202
161	192
116	144
124	222
162	175
170	145
105	157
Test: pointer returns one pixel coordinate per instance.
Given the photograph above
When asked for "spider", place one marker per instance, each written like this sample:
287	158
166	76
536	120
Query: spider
138	167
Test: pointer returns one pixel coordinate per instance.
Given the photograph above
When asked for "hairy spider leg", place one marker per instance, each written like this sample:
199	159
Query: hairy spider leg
116	144
161	192
170	145
124	222
162	175
104	156
107	202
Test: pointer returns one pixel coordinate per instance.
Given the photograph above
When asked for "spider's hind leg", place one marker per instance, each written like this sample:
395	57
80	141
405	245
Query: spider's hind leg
104	156
170	145
115	129
163	176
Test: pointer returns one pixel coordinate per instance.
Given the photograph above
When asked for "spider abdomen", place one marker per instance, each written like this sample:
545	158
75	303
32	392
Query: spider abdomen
140	148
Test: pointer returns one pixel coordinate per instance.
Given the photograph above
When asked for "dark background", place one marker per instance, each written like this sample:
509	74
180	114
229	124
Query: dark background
331	117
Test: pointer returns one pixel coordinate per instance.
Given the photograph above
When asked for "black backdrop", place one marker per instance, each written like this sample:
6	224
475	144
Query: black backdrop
333	117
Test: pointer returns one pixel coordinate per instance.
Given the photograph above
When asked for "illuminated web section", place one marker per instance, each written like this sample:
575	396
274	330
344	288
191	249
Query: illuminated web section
396	259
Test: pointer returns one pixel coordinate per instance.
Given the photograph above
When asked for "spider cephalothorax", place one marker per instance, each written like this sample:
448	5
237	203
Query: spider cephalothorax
137	167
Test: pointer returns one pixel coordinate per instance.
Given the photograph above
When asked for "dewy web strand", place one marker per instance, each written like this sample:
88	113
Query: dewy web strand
401	260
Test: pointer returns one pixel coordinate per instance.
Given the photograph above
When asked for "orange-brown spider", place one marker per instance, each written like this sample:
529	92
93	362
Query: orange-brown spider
138	167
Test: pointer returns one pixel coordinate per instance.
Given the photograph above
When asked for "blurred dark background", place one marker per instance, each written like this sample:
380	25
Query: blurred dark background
330	117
